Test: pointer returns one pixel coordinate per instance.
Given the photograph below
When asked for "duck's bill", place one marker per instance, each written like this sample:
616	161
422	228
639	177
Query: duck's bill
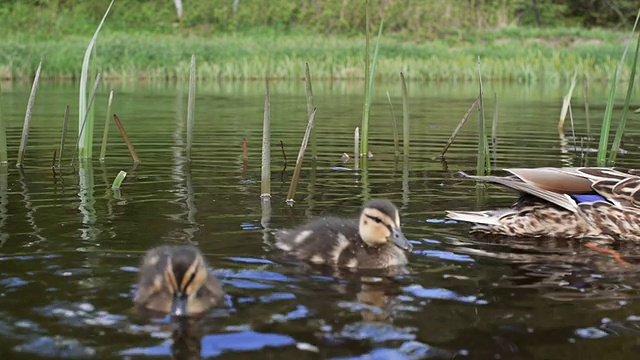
400	240
179	307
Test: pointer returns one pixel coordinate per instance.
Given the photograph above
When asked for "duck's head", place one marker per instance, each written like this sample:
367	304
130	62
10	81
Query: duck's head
174	275
380	225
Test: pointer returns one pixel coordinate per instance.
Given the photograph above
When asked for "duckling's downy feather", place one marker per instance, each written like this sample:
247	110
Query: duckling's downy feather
337	242
168	271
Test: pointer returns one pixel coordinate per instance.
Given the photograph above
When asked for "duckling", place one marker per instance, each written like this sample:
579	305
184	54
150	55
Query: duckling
175	279
374	241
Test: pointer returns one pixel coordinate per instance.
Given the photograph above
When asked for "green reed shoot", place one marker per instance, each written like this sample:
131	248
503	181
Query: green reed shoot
125	137
586	106
405	116
265	185
65	124
566	101
191	105
81	131
105	132
483	163
459	127
394	123
27	116
310	108
494	127
608	111
364	143
85	143
615	147
298	168
4	158
356	148
117	182
365	105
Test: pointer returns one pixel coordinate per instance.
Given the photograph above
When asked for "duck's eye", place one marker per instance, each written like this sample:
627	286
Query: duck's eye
375	218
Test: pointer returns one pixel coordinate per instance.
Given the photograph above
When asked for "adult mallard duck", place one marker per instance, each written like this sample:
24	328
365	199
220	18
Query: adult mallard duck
601	203
175	279
372	242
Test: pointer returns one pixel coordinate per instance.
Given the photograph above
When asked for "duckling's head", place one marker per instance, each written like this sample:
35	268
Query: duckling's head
171	277
380	225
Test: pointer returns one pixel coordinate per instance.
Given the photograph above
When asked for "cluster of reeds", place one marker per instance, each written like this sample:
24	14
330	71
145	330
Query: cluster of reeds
133	56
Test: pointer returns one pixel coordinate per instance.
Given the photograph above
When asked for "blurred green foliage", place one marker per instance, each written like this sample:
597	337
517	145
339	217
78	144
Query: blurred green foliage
426	19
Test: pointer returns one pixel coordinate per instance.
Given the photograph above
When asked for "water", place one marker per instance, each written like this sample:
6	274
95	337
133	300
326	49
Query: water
71	247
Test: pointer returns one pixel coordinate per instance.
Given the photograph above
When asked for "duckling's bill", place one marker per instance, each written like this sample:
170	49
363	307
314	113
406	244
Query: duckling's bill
400	240
179	306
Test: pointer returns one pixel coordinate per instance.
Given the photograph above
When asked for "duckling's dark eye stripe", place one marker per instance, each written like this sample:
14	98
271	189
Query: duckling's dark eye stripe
374	218
379	221
191	278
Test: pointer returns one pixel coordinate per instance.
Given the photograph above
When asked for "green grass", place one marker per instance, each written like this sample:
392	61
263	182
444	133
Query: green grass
512	54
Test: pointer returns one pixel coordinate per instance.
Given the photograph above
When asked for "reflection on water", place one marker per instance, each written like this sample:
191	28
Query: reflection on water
70	246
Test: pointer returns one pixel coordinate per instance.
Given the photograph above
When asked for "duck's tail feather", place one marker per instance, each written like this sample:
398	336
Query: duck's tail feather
489	217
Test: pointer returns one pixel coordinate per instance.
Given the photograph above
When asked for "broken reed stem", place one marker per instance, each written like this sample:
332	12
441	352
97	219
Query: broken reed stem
65	124
494	126
586	106
245	151
27	116
405	116
284	154
356	148
566	101
310	108
265	184
396	142
191	106
53	162
4	156
573	131
134	155
86	114
105	133
482	138
298	168
365	105
459	127
117	182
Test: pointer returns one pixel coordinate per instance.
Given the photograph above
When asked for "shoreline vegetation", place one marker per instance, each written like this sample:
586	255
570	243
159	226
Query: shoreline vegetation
426	41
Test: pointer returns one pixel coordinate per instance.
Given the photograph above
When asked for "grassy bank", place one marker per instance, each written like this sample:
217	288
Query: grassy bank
511	54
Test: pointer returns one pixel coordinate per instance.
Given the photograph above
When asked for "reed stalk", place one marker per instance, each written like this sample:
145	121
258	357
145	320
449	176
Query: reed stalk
105	133
265	185
494	127
601	159
459	127
482	138
405	116
191	104
132	151
356	147
86	121
4	156
566	101
617	140
85	138
117	182
586	107
298	168
365	106
364	144
394	123
27	116
310	108
65	124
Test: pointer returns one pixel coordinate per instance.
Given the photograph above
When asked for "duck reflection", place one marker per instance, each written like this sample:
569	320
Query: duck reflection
187	338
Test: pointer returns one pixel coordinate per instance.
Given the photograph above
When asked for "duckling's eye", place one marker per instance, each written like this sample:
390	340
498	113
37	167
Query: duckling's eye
375	218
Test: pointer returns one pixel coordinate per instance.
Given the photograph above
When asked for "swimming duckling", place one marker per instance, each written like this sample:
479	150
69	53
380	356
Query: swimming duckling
175	279
373	242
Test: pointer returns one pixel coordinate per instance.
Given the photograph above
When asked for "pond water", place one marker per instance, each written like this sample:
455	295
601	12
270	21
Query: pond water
70	247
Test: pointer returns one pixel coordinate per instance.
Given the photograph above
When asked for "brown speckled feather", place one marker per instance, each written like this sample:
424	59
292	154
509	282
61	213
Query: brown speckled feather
547	208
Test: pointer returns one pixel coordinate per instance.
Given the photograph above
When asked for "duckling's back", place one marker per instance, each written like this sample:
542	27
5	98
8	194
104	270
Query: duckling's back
336	242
